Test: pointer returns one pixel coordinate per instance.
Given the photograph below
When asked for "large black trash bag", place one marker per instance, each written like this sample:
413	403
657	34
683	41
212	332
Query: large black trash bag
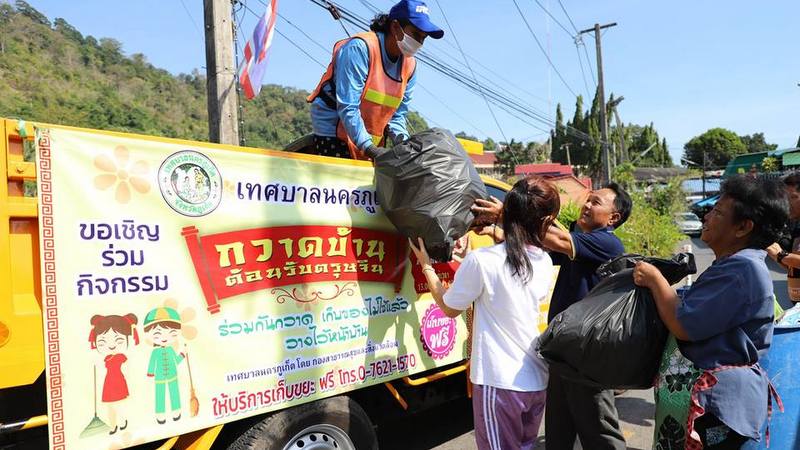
426	186
613	338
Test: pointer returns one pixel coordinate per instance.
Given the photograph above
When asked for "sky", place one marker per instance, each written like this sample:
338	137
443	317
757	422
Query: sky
686	66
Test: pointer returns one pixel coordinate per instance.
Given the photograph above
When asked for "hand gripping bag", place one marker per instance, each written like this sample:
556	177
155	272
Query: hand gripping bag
426	186
613	338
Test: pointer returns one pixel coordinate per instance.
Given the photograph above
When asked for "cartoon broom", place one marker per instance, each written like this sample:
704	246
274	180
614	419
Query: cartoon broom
194	404
96	426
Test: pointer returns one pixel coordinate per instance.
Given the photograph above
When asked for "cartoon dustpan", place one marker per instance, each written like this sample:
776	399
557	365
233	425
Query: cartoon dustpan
96	426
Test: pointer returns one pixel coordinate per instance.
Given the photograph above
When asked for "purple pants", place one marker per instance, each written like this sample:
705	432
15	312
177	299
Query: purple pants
504	419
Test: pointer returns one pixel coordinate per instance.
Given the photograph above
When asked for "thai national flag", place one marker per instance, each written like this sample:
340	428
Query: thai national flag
255	52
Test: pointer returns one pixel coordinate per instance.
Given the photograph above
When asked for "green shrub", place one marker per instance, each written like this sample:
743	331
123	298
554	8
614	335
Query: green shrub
648	231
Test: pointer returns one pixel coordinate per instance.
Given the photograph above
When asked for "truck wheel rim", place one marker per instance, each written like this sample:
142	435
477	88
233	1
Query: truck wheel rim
320	437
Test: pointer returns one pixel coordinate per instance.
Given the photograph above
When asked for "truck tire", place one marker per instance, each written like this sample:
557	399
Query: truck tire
336	423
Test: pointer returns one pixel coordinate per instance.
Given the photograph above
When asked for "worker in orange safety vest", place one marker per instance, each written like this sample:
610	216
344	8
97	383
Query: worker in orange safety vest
363	95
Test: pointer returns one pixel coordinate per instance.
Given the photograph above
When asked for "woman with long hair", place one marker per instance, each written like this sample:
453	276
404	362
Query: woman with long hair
506	283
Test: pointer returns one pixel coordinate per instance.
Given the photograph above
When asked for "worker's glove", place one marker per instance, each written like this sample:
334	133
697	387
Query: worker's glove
374	151
397	138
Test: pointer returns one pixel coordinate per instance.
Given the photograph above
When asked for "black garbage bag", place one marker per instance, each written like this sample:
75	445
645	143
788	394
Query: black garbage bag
613	338
426	186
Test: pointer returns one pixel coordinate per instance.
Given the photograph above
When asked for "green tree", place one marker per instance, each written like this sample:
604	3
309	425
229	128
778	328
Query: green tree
509	156
415	122
719	145
798	142
756	143
623	174
489	144
63	27
29	11
464	135
770	164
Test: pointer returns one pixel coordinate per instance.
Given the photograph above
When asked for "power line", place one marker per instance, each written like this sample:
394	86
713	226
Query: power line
196	27
569	33
432	95
544	52
583	73
511	106
466	61
568	17
303	33
578	40
286	37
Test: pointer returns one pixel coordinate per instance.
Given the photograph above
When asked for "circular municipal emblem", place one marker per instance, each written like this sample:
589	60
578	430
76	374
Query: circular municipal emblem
190	183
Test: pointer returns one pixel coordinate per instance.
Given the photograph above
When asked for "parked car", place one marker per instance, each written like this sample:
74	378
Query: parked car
689	223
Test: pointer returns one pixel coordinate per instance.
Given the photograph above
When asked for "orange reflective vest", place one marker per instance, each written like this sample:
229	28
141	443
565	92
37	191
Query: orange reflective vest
381	97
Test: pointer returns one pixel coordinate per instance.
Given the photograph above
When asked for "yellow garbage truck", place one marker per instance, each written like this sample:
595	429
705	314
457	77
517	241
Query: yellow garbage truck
177	294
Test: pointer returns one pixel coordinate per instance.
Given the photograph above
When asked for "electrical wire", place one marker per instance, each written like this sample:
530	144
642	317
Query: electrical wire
196	27
287	38
510	105
569	33
568	17
466	61
583	72
579	41
544	52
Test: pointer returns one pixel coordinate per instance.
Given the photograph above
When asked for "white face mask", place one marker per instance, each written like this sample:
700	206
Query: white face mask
408	45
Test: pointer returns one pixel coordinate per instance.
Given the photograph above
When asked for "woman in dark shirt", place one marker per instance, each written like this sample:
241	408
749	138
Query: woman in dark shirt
723	325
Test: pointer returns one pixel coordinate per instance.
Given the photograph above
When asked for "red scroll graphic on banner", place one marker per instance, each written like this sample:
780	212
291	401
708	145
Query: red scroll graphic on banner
238	262
445	271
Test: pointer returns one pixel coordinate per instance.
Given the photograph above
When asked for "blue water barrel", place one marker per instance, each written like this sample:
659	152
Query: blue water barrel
781	364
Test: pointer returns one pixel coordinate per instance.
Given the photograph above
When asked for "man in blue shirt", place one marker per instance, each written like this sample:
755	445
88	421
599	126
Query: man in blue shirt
574	409
364	94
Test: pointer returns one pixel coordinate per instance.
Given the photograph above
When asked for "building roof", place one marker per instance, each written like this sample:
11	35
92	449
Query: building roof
743	163
550	169
486	159
572	188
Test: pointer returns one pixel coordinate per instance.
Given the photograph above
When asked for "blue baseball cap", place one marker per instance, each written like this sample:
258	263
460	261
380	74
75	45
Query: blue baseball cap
416	12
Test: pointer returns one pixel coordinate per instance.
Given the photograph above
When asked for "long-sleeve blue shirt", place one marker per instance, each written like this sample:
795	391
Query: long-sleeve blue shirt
350	77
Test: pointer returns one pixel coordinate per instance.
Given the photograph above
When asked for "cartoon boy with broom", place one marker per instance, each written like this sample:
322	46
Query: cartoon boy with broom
162	325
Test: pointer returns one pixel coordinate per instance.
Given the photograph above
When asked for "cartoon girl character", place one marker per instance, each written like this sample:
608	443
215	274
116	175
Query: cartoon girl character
110	336
162	326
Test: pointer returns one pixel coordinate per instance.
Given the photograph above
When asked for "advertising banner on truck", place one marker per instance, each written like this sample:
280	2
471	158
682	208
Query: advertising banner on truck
187	285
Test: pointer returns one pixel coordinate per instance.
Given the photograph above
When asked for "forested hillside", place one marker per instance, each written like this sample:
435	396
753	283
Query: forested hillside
51	72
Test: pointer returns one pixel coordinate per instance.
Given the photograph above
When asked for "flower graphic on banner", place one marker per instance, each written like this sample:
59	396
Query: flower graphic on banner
122	173
228	188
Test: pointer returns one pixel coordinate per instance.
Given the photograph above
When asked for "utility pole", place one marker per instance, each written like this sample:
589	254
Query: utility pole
703	177
566	146
606	177
223	117
620	128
